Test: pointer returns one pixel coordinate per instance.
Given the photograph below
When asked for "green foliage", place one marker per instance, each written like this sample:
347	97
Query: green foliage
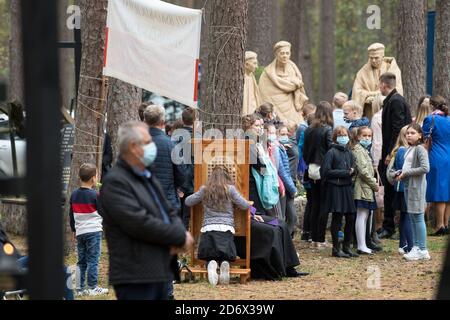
258	73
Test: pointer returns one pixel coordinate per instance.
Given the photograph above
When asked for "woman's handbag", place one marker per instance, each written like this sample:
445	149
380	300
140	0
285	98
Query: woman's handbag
429	139
379	196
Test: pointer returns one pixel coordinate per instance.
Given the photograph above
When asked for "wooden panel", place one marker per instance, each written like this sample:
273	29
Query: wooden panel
222	152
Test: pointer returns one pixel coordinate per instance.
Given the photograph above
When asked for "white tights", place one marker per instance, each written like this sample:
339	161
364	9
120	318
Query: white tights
361	223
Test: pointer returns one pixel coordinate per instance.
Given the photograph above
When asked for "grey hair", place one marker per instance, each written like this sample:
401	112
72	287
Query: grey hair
154	115
128	133
338	97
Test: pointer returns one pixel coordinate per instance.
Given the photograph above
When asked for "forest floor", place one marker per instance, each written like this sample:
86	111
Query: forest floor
383	276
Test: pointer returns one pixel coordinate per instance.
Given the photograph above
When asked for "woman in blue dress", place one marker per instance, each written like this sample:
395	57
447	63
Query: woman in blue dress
437	126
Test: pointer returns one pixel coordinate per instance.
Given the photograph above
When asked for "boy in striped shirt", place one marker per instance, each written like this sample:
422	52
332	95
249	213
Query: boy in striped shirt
86	224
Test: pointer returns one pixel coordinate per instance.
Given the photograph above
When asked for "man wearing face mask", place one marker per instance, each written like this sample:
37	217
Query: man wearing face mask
142	229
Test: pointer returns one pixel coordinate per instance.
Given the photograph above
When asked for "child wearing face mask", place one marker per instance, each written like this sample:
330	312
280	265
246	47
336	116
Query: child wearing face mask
365	186
281	161
413	174
337	171
290	145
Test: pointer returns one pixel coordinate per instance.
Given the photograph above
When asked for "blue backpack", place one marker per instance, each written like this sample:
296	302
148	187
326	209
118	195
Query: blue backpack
267	184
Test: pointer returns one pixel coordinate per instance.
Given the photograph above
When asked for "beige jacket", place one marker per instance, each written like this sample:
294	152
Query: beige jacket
365	182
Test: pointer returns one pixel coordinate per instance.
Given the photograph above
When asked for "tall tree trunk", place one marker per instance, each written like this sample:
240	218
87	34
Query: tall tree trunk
66	56
198	4
327	68
291	27
441	84
296	31
304	48
15	91
259	29
411	40
89	117
275	17
225	71
123	102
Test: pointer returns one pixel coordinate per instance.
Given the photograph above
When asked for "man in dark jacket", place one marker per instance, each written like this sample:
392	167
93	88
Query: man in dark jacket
188	116
396	114
142	229
170	176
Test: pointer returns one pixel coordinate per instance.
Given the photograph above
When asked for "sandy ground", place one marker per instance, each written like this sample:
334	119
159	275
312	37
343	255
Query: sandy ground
385	275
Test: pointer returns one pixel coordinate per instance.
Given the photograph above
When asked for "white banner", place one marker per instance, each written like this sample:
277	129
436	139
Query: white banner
154	45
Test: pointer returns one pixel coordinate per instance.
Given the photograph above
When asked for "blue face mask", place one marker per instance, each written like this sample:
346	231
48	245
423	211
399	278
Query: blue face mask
150	152
284	139
342	140
272	137
365	143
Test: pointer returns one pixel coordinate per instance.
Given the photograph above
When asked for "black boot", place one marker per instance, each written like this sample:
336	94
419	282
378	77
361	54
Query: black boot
349	252
375	238
371	245
338	253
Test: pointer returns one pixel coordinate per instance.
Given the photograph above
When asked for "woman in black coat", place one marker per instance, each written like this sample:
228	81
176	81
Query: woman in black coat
318	140
336	172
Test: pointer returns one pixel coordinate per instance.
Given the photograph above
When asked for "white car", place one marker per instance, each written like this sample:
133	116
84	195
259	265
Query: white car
6	162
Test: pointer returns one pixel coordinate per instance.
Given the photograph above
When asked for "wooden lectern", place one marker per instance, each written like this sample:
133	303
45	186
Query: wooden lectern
235	155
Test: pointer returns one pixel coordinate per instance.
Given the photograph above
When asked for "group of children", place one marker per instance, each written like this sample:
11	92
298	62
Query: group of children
351	184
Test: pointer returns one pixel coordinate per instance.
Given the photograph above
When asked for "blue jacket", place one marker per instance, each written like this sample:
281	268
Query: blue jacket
284	171
168	174
363	122
300	137
398	165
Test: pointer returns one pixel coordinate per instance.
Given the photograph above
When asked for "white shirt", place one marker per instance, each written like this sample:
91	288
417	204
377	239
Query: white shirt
408	159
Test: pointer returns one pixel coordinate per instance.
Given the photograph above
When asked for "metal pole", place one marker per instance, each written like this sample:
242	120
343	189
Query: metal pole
45	223
12	133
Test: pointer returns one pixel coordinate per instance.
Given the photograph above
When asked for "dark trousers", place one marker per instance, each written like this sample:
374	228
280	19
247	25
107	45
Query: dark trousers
336	223
307	215
389	193
389	212
291	215
185	211
369	228
318	219
143	291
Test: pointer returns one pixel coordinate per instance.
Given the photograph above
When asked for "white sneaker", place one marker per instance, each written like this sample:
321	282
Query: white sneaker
213	277
402	250
81	292
97	291
424	255
413	255
224	277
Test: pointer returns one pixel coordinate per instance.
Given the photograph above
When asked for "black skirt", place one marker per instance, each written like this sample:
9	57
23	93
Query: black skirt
216	245
399	202
271	250
338	199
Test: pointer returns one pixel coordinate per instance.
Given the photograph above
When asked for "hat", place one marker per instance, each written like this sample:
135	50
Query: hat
280	45
250	55
376	47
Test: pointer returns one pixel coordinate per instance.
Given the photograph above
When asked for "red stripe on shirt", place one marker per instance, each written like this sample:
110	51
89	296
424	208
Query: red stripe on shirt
83	208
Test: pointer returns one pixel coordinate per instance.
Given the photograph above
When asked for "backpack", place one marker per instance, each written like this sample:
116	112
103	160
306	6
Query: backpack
267	184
